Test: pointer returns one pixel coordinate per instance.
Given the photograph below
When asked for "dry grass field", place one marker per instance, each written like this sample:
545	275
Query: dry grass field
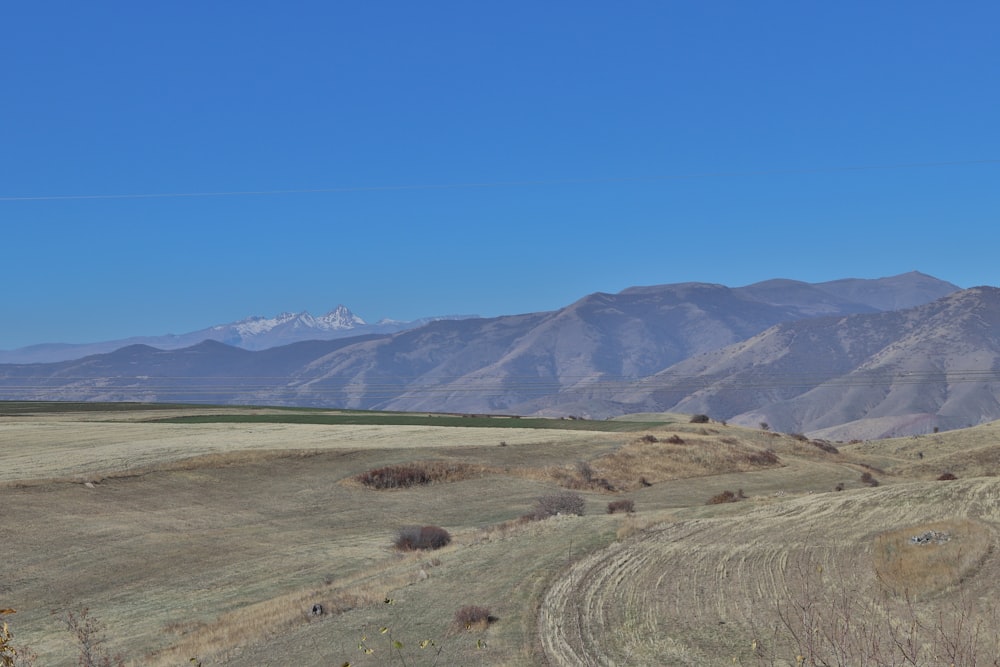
213	541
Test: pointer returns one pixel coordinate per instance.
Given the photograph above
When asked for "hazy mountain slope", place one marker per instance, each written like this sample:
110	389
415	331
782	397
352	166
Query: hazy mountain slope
592	348
210	372
422	364
808	299
529	363
602	356
906	290
907	371
514	363
251	333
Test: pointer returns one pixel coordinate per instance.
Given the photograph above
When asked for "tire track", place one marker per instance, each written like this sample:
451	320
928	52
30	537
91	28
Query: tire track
697	592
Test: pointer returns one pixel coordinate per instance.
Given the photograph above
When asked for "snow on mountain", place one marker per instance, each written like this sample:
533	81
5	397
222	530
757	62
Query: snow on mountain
251	333
338	319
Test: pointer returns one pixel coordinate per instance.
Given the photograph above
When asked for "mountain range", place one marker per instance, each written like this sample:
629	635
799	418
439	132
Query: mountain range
251	333
846	359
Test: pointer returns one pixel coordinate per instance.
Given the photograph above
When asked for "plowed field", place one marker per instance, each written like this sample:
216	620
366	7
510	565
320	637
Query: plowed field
714	590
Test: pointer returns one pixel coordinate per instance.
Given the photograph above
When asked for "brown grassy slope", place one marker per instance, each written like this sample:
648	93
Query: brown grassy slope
190	523
62	446
968	452
225	523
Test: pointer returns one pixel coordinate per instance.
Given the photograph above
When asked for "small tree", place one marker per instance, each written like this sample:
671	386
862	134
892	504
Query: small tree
90	639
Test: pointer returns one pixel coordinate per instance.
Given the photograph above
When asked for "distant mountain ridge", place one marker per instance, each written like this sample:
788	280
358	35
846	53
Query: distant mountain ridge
861	376
251	333
828	358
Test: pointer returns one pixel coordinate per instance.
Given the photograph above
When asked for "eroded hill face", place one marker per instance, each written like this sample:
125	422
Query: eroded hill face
856	377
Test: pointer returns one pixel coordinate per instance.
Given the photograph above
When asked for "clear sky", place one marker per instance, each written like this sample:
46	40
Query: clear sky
432	158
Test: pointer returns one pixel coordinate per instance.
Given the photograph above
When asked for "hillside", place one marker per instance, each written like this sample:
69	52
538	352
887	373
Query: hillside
861	376
211	533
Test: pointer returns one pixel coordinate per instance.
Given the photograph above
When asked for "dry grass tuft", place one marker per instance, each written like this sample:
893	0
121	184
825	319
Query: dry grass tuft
247	625
473	618
642	463
581	477
726	497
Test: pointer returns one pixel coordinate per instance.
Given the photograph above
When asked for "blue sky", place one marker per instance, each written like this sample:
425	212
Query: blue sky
483	157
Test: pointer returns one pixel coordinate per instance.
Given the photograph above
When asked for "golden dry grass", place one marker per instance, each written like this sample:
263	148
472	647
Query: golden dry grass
220	638
919	570
214	540
644	461
699	591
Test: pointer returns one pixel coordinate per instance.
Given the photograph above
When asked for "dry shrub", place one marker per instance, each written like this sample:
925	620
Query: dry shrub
505	529
798	436
700	419
675	440
88	632
726	497
413	538
405	475
648	438
761	458
473	617
825	446
826	620
619	506
946	476
581	476
10	654
565	502
866	478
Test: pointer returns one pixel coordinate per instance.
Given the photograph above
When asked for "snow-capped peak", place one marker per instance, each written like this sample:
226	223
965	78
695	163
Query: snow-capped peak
337	319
